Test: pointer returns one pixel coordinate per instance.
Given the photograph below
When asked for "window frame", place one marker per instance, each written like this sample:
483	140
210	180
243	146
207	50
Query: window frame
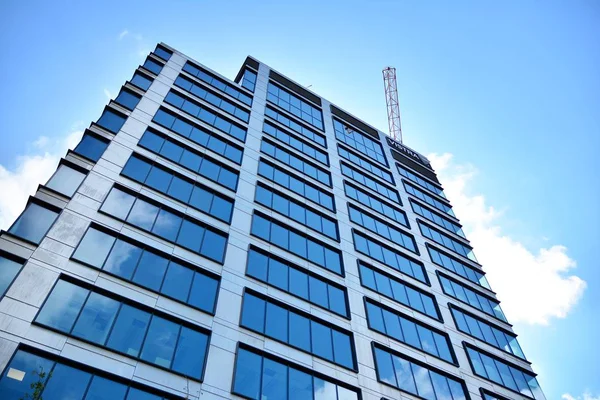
68	164
302	124
392	189
296	136
376	198
431	247
93	135
344	147
301	98
219	79
40	203
16	259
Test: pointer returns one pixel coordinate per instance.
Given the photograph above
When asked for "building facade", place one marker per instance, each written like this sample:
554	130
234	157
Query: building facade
222	239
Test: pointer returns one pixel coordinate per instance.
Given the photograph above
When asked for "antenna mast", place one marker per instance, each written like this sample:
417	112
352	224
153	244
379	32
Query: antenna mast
391	100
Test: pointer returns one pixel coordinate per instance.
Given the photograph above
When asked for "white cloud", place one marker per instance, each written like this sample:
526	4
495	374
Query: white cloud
123	34
31	170
586	396
533	286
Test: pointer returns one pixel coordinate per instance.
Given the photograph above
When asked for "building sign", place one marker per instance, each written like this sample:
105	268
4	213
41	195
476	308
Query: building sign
405	151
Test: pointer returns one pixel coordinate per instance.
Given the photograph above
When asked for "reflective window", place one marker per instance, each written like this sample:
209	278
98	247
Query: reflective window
372	184
298	128
421	195
490	396
128	99
298	144
398	326
411	377
63	382
466	295
452	264
382	228
118	326
299	282
295	105
142	81
296	211
217	83
369	166
146	267
297	163
319	340
388	256
163	53
300	244
249	79
504	374
420	181
8	272
111	121
375	204
66	180
199	91
483	330
175	228
446	241
296	185
436	218
152	66
91	147
33	223
204	114
173	185
359	141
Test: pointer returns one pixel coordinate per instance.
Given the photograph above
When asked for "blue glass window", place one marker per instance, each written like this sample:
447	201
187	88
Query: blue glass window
365	164
247	376
424	183
375	204
452	264
372	184
359	141
129	330
382	228
298	128
398	326
8	272
447	241
163	53
127	99
112	121
437	218
296	143
249	80
33	223
217	83
152	66
295	105
411	377
421	195
277	322
277	234
91	147
63	305
66	383
96	318
142	81
296	163
66	180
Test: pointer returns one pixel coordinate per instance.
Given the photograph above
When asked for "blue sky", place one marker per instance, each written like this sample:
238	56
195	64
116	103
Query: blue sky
510	89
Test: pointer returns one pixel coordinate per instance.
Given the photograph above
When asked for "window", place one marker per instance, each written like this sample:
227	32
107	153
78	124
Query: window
437	218
152	66
504	374
128	99
249	80
111	121
434	188
421	195
203	114
198	91
203	165
33	223
296	281
163	53
110	322
296	211
382	228
466	295
409	331
290	326
217	83
452	264
476	327
486	395
365	164
9	269
372	184
166	224
91	147
447	241
418	379
142	81
67	381
66	180
359	141
199	135
300	145
389	257
295	105
296	185
132	261
297	243
401	292
296	163
306	132
253	367
178	187
355	193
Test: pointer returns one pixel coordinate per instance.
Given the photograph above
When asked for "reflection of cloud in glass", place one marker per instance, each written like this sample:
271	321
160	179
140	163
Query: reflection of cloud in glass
404	374
423	381
324	390
346	394
122	259
143	214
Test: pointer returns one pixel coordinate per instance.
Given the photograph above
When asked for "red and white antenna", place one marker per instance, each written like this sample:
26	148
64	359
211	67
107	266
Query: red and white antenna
391	100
